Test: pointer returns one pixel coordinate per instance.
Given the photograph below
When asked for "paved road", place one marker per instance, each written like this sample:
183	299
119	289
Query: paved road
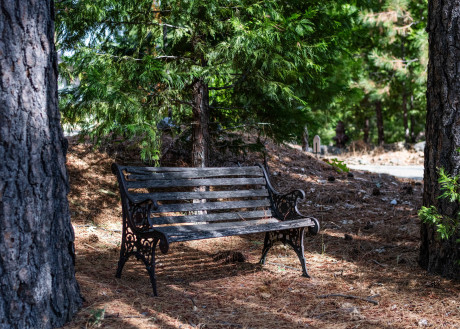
413	172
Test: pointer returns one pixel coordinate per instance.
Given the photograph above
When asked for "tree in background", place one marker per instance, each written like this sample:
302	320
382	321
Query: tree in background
38	288
442	157
387	71
213	65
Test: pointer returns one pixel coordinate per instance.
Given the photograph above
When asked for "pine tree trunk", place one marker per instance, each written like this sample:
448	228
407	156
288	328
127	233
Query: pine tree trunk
366	130
412	121
200	134
442	132
38	288
405	118
379	114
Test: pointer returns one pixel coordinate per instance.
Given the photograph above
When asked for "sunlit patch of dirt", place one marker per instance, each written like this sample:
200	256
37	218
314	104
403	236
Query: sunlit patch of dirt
366	251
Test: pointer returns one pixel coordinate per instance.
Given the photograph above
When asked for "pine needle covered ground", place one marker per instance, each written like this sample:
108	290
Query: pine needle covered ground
363	263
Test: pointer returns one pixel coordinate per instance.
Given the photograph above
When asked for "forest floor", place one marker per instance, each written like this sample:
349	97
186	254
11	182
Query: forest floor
363	263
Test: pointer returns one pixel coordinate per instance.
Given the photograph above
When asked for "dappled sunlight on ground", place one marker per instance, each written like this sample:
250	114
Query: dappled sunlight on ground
363	263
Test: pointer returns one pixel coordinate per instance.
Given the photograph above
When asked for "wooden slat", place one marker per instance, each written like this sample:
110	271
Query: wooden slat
185	229
226	170
201	195
215	217
198	173
212	206
196	182
196	234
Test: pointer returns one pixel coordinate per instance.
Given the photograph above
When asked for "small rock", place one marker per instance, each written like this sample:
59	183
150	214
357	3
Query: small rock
350	175
352	310
375	191
380	250
420	147
349	206
408	189
394	202
369	225
423	323
93	238
348	237
331	178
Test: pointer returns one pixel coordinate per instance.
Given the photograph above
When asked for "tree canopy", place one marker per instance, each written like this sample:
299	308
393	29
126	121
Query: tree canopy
267	64
271	66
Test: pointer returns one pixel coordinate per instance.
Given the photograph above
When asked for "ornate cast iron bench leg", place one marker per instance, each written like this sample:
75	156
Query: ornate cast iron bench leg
146	252
121	262
149	260
293	238
268	244
128	242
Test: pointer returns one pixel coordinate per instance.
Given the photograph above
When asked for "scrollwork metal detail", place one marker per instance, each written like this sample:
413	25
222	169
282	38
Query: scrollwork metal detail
140	240
286	205
139	214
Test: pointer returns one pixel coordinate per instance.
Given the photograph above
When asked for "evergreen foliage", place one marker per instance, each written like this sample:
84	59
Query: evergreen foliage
268	64
446	226
388	67
271	66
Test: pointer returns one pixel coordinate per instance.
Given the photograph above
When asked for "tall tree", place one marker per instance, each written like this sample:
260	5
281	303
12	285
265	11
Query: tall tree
442	133
38	288
218	63
391	51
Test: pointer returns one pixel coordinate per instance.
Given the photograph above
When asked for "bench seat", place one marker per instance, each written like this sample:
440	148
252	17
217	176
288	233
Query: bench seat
218	230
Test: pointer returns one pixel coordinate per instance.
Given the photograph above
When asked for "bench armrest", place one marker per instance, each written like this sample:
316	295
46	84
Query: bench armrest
157	234
118	171
284	205
135	210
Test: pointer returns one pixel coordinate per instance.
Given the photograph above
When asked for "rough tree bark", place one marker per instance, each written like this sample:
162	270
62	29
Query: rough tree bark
366	130
38	288
413	137
200	130
379	115
442	131
405	118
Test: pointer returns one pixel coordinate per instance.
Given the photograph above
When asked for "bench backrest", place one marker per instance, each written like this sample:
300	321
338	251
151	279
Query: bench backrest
197	195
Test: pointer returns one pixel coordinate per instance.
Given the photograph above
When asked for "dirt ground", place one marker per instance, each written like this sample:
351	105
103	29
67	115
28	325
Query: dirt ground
363	263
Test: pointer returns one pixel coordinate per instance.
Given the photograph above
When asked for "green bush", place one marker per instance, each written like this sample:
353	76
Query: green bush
446	226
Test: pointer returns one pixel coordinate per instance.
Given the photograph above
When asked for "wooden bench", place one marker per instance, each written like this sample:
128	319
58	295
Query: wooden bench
162	205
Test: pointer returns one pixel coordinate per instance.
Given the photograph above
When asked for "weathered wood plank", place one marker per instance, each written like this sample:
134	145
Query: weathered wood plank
191	234
196	182
185	229
225	170
212	206
218	172
201	195
215	217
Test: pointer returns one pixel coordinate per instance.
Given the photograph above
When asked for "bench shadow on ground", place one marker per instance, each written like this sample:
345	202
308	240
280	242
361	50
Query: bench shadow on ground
183	275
